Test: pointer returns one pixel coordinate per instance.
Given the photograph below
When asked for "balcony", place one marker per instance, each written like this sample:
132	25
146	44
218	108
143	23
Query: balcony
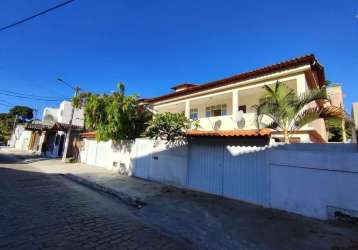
226	122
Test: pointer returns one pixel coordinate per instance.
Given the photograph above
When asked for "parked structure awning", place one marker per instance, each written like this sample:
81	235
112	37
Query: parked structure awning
37	126
56	126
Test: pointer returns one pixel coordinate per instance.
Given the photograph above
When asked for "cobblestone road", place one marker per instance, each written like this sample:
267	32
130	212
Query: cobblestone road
39	211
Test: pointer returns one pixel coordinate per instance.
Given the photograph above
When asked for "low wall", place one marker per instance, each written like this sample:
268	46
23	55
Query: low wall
325	147
144	158
160	161
113	156
314	183
309	179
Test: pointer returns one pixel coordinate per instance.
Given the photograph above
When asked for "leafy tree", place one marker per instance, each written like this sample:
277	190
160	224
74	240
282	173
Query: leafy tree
288	111
23	113
338	130
335	129
115	116
168	126
6	123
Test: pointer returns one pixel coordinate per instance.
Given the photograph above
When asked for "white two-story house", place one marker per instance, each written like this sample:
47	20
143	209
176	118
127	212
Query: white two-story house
224	107
62	114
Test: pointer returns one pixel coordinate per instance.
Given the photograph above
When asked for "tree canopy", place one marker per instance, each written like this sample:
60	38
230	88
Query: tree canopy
23	113
6	123
289	112
168	126
115	116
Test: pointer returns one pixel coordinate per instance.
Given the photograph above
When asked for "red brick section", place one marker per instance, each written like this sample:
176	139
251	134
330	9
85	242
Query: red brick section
229	133
296	62
88	135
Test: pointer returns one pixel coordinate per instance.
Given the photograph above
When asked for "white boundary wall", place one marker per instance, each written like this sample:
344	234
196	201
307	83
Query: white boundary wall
313	183
144	158
116	157
308	179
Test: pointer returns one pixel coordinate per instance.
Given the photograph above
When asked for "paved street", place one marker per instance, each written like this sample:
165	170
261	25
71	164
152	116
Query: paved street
40	209
44	211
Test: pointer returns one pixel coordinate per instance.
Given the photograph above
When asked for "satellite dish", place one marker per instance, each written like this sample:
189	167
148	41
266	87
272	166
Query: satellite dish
238	116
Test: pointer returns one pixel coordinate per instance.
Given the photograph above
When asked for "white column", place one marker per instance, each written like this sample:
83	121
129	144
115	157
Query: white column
235	105
187	109
301	84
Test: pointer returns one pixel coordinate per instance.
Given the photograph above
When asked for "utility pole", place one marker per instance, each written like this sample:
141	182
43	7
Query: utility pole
343	125
14	125
68	135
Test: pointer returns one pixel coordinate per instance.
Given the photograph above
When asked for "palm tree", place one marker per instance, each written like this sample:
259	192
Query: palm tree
289	112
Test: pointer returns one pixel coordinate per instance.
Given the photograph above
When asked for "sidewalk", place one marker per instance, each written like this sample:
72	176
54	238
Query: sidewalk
133	191
208	220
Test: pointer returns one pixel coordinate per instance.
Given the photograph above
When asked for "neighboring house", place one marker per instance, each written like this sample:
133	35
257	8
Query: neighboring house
224	107
55	125
63	114
49	140
335	94
20	137
48	136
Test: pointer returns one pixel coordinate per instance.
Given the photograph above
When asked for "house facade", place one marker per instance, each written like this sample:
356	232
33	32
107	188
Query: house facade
225	106
47	137
62	114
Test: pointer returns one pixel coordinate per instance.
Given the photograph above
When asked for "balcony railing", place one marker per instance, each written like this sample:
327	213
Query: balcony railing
226	122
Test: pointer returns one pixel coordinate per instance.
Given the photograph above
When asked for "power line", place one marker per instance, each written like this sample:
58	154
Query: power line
36	15
4	101
4	104
31	98
46	87
28	95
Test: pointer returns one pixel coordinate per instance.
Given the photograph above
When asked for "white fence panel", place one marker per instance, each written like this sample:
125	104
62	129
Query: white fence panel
206	168
143	158
91	152
307	179
246	175
102	151
312	183
169	163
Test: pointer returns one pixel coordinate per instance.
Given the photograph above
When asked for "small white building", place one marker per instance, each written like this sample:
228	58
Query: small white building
62	114
19	138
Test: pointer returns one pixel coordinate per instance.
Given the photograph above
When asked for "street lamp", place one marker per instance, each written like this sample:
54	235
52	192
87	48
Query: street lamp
77	91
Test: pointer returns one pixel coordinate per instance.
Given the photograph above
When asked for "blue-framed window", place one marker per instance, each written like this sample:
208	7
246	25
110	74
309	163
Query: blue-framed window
216	110
194	114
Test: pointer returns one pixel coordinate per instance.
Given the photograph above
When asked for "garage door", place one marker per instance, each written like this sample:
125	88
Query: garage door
238	172
206	168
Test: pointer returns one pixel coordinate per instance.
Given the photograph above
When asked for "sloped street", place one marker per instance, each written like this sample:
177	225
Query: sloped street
43	211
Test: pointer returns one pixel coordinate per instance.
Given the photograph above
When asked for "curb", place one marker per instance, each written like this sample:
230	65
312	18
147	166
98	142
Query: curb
127	199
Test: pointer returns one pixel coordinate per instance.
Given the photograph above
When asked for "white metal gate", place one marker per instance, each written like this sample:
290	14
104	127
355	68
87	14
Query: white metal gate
246	174
232	171
206	168
92	152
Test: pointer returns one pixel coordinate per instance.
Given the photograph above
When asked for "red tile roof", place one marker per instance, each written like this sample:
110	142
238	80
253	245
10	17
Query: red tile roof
184	85
89	135
229	133
296	62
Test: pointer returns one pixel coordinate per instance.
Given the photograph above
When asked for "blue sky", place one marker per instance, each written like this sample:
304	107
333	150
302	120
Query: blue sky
153	45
